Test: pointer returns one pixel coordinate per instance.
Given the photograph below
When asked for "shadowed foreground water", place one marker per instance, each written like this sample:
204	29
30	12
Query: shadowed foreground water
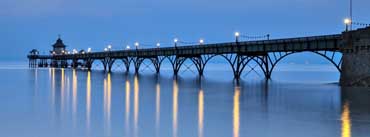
78	103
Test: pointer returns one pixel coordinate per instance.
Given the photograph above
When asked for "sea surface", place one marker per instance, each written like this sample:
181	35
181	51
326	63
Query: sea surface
299	101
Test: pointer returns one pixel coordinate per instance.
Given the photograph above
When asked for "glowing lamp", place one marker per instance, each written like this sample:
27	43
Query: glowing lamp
201	41
347	21
237	34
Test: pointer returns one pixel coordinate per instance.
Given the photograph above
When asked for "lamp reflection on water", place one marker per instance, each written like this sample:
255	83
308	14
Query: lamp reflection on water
74	97
175	107
157	108
52	86
236	112
200	112
62	90
107	104
136	105
36	82
127	111
88	101
346	120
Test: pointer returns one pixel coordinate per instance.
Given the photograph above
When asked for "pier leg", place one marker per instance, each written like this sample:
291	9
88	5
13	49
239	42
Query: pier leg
237	63
157	61
137	63
105	62
127	62
88	63
74	63
267	68
177	63
110	64
200	62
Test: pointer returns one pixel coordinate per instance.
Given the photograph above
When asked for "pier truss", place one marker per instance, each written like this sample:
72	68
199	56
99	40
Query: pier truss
265	53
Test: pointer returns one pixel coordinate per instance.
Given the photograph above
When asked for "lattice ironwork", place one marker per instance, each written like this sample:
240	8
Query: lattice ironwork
268	63
237	63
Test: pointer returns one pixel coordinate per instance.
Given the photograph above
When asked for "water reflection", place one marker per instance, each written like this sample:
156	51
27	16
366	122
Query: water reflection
36	85
175	107
263	107
200	112
107	104
136	105
52	86
127	111
88	101
74	97
236	112
62	90
157	108
346	120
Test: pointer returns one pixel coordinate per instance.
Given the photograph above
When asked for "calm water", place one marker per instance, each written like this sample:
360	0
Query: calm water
63	102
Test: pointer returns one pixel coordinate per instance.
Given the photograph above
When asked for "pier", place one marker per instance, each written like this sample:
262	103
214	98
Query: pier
354	46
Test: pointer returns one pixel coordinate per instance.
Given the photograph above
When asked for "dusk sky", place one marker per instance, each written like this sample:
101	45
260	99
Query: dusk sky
28	24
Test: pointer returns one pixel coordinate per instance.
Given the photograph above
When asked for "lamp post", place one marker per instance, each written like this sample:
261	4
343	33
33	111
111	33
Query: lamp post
109	47
128	47
136	45
236	34
175	41
158	45
347	22
350	13
105	49
201	42
88	50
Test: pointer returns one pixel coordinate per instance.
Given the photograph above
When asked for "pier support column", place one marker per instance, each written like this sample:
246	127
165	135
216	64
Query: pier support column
127	62
266	64
356	58
106	63
63	64
200	62
33	63
74	63
267	71
237	63
157	62
40	63
45	63
176	63
137	63
110	64
88	63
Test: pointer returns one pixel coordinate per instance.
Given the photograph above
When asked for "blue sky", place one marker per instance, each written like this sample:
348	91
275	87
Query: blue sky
28	24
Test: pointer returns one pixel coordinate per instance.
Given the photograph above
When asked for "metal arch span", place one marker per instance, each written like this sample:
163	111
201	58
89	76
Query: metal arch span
199	61
237	63
156	61
268	63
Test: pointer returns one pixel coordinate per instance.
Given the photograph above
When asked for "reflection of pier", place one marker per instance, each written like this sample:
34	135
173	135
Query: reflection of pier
266	53
355	111
107	104
167	109
175	108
